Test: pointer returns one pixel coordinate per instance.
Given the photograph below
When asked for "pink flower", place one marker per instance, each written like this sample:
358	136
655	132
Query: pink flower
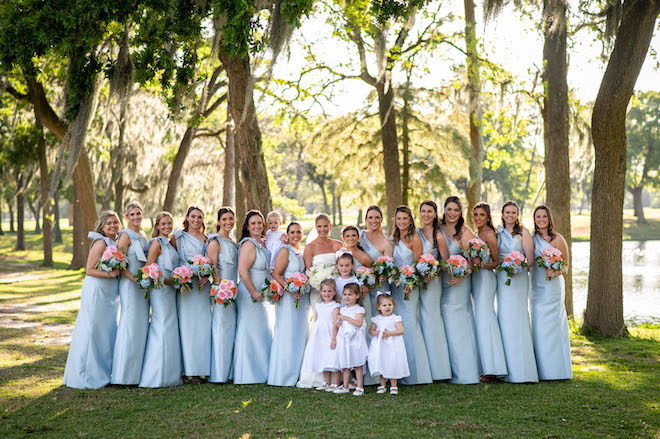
200	259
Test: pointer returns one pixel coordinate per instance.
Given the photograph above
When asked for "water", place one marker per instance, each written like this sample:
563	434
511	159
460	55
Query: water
641	280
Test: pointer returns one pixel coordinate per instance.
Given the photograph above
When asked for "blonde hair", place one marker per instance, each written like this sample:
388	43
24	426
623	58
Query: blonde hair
272	214
155	232
355	288
132	205
103	218
329	283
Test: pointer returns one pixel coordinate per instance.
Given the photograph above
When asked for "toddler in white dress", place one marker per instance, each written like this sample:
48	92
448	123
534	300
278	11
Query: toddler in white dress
351	342
387	352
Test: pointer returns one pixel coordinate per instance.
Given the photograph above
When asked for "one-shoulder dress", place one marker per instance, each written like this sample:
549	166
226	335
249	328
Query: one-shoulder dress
374	254
89	363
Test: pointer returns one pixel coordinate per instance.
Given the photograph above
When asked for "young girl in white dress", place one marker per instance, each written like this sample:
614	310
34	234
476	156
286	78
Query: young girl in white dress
322	341
351	341
387	353
345	268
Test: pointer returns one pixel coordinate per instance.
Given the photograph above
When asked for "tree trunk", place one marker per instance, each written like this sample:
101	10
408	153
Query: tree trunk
474	91
359	218
57	231
529	177
247	135
638	206
177	168
341	219
390	147
45	200
556	127
10	207
1	231
34	208
241	205
604	312
334	202
20	213
118	155
405	139
228	184
84	212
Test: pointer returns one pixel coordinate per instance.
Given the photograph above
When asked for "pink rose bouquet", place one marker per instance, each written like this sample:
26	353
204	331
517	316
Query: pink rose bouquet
514	263
149	277
182	279
224	292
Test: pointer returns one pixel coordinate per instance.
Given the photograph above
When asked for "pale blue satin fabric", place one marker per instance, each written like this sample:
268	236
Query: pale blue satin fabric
430	318
162	357
290	333
223	326
194	311
374	254
552	342
513	315
418	359
457	315
89	363
254	333
133	317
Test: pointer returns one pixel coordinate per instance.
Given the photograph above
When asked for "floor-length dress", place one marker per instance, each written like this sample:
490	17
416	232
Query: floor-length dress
223	326
133	318
308	378
290	333
418	359
374	254
552	342
89	363
459	325
513	316
430	319
162	356
254	331
194	311
489	337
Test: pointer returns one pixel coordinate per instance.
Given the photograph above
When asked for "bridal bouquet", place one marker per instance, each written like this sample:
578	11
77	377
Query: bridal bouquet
272	291
113	258
148	278
457	266
182	279
552	259
318	273
513	264
427	268
366	276
384	268
202	267
408	278
476	248
224	292
298	283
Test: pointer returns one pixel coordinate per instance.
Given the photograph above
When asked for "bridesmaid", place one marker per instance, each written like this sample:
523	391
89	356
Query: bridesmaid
194	308
89	364
512	306
455	303
552	343
223	251
134	317
430	316
375	243
290	333
162	357
484	287
254	334
407	250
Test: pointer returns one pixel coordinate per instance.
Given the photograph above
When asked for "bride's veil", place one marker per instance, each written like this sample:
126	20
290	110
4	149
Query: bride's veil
312	235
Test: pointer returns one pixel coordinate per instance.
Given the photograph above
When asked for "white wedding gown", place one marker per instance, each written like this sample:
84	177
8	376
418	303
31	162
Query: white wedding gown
307	377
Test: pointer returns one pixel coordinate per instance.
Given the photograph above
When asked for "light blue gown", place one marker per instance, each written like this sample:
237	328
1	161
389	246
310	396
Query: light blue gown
254	333
430	318
552	343
89	364
457	315
162	357
194	311
489	338
290	333
374	254
133	318
418	359
224	318
513	315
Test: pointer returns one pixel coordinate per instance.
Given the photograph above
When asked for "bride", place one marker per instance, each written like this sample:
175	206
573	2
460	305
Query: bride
320	251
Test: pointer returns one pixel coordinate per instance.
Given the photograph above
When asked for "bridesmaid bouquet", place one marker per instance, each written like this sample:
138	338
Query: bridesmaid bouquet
318	273
224	292
271	290
113	258
148	278
457	266
408	278
476	248
182	279
552	259
202	267
513	264
298	283
366	276
384	267
427	268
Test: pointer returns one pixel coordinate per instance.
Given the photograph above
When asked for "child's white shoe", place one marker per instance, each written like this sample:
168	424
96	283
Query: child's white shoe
359	391
394	390
381	389
331	388
341	389
323	386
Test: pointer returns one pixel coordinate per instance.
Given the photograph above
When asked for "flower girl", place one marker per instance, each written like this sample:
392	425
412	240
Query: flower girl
387	353
323	337
351	342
